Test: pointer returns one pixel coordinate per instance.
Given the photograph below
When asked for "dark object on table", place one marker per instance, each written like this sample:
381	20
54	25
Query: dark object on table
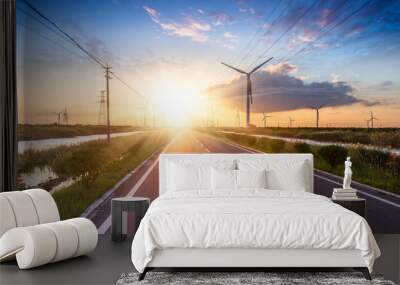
119	213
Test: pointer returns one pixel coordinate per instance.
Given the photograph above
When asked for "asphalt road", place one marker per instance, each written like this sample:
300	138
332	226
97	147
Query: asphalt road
383	210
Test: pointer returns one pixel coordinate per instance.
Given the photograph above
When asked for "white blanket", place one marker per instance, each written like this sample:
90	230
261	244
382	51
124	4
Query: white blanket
250	219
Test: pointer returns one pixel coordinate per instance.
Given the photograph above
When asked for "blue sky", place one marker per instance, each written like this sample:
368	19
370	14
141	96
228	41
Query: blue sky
177	46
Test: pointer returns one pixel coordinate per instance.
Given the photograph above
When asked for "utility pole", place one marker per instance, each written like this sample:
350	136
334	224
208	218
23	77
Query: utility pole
108	77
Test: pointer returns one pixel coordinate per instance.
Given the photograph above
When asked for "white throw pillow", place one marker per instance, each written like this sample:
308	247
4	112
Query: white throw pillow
281	174
287	176
251	178
223	179
188	177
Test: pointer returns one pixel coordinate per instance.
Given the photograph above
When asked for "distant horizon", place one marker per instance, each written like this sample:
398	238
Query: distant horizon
231	127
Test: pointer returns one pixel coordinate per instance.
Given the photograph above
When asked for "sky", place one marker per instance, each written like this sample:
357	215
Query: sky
343	54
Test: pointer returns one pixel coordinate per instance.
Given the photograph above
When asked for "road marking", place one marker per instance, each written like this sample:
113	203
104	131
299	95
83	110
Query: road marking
327	179
90	210
360	191
107	223
202	145
105	226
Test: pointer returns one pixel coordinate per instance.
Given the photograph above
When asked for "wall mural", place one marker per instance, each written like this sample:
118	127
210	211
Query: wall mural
104	87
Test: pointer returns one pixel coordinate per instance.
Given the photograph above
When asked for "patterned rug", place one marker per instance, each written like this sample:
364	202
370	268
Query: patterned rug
243	278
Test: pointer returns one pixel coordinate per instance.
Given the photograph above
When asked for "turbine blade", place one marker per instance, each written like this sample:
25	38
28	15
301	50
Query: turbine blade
259	66
234	68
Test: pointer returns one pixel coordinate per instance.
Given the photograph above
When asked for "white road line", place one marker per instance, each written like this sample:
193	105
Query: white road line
89	211
107	223
105	226
202	145
329	180
360	191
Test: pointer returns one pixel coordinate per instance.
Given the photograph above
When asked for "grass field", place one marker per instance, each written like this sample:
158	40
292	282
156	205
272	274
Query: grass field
96	166
372	167
38	132
383	137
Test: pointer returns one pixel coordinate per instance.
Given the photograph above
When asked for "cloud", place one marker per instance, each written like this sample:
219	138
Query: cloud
278	91
386	85
231	37
152	12
335	78
184	31
188	27
221	19
201	11
281	68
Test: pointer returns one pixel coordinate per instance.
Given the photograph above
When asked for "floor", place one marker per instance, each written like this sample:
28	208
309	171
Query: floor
110	260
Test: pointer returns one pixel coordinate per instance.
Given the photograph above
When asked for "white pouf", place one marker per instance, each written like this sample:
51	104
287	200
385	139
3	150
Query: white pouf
31	232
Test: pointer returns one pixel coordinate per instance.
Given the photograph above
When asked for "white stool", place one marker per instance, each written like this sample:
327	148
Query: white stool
31	230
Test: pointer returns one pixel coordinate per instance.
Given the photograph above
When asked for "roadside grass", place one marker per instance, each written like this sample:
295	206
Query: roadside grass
73	200
37	132
371	167
383	137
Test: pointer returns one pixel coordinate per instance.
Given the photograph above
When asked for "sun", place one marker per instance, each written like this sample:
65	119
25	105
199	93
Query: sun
179	106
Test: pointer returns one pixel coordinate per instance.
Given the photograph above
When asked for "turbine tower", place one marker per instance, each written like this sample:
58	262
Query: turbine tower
264	119
237	119
372	119
368	120
291	121
65	116
316	108
249	98
59	114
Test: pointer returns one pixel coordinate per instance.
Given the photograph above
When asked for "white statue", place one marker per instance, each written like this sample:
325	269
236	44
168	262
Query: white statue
347	174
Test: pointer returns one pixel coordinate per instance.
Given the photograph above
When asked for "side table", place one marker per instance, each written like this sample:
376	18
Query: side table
357	205
119	214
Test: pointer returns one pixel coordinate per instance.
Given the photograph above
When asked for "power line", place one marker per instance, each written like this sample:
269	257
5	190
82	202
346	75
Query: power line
359	9
258	31
249	53
126	84
75	42
106	67
332	15
38	20
287	30
48	39
65	34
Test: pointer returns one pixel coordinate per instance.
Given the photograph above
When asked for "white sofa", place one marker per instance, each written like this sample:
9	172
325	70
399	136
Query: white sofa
31	231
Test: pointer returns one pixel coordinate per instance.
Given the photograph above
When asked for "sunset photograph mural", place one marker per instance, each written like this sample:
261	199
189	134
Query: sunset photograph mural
105	87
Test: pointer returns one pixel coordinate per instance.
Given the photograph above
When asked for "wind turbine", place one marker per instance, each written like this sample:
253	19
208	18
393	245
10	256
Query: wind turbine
237	119
264	119
368	120
58	117
249	97
65	116
291	121
316	108
372	118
